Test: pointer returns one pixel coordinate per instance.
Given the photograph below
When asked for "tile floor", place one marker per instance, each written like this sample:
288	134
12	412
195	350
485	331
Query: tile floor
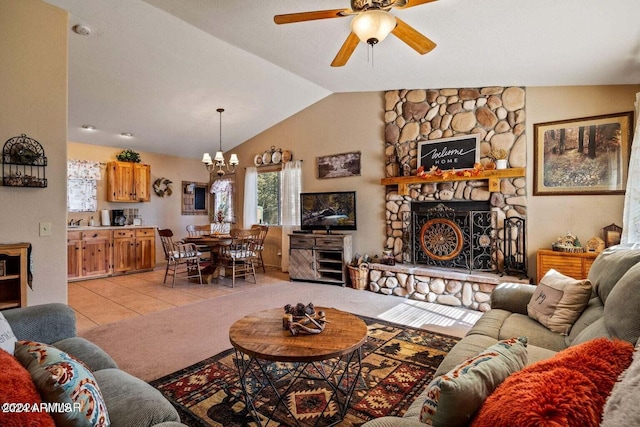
106	300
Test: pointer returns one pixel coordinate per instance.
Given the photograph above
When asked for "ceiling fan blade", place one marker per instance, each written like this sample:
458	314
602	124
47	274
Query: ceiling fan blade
346	50
413	38
310	16
411	3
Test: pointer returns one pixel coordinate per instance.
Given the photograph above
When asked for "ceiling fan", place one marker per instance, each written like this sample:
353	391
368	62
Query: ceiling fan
372	22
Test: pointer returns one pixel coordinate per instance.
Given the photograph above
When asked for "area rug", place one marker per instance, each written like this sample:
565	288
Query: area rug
398	362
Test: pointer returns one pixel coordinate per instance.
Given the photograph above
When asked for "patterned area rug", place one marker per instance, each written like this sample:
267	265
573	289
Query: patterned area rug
398	362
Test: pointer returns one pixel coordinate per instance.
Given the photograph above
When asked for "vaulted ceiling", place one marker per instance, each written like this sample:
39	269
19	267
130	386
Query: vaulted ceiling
159	69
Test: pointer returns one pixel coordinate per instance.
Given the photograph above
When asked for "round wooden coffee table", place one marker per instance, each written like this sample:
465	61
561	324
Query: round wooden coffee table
332	357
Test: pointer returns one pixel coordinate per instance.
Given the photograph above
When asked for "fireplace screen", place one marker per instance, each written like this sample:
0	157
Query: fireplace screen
444	237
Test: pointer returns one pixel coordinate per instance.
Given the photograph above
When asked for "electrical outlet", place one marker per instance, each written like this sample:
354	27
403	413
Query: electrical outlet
45	229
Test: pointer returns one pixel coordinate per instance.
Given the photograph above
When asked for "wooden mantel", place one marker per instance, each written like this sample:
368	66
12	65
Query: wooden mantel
493	176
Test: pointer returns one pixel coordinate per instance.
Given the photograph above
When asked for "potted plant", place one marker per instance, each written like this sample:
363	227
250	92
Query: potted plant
128	155
500	158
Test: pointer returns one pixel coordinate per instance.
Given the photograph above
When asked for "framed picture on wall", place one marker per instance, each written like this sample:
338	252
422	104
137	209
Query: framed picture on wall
589	155
611	235
339	165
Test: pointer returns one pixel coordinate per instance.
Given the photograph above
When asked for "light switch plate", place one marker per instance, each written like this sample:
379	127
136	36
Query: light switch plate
45	229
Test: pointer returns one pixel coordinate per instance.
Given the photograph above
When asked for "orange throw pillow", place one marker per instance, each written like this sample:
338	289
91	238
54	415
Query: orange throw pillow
569	389
16	387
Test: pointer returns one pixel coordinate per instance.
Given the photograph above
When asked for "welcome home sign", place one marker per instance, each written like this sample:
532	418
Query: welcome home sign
458	152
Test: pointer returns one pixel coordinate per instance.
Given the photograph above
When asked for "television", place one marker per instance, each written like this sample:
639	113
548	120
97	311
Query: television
328	211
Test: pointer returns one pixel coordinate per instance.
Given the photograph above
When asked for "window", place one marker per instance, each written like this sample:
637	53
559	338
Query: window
222	190
269	197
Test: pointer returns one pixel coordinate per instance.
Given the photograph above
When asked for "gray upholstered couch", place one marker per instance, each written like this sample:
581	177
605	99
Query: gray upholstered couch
613	311
129	400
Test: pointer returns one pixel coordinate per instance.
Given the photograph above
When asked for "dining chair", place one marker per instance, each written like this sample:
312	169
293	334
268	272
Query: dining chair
264	229
240	255
182	258
199	231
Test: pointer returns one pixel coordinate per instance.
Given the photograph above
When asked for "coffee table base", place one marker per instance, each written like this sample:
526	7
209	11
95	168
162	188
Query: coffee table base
340	375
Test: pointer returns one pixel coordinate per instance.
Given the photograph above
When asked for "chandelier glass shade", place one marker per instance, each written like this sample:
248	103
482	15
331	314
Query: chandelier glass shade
373	26
218	163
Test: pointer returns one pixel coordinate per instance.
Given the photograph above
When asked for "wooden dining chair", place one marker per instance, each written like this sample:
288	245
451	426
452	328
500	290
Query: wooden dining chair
264	229
240	255
182	258
199	231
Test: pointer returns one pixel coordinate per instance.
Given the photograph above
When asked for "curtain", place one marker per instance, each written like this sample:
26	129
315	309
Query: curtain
250	211
631	214
82	189
290	201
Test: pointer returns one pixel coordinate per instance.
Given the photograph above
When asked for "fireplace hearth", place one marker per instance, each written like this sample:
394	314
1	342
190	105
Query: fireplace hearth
459	235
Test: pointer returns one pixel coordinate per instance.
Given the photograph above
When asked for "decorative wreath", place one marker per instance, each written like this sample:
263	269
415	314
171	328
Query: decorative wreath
162	187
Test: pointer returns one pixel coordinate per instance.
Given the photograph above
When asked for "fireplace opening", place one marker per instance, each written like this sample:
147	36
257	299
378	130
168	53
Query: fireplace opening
453	234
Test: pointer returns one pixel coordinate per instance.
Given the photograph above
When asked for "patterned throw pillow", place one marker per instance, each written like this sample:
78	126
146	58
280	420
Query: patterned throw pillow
558	301
61	378
453	398
7	339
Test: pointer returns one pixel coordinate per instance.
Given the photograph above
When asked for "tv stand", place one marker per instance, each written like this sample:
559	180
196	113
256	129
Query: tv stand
319	258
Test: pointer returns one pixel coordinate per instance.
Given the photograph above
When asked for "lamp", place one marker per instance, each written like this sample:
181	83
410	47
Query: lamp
218	160
373	26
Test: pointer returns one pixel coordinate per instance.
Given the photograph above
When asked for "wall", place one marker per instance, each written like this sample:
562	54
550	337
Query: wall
33	84
163	212
355	121
584	216
340	123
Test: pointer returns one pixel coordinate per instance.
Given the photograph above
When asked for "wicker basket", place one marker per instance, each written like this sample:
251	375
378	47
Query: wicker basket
359	276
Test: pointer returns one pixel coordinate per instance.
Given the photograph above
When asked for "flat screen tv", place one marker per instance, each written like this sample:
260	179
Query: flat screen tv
328	211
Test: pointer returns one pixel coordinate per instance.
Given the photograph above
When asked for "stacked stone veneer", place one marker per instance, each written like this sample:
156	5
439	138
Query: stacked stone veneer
497	115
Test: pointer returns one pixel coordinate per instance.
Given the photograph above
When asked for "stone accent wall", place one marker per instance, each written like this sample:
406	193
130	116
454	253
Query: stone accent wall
497	114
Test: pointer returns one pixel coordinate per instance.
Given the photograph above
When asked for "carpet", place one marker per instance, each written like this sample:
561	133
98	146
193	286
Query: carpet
398	362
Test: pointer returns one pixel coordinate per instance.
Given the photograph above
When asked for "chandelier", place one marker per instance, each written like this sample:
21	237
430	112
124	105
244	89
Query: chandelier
218	161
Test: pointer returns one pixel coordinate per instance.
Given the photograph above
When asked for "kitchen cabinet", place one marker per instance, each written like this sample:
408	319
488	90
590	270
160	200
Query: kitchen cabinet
319	258
13	275
88	253
128	182
98	252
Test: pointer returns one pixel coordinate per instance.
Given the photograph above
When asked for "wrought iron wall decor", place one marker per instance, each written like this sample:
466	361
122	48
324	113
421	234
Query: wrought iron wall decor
23	163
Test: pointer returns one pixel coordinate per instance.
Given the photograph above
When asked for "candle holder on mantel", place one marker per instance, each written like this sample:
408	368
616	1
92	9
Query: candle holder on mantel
515	249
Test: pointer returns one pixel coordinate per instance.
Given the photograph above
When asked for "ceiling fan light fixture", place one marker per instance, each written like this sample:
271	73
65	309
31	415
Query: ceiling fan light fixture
373	26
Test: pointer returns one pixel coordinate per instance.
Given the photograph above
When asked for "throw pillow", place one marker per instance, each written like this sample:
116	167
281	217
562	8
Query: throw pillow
453	398
61	378
558	301
7	338
17	389
621	408
568	389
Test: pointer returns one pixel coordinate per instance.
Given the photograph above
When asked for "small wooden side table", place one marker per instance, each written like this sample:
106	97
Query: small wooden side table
332	357
570	264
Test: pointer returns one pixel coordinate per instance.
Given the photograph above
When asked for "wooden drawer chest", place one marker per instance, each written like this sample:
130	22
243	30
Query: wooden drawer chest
570	264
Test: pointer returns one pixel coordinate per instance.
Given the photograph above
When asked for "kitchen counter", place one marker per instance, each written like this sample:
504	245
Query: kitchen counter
106	227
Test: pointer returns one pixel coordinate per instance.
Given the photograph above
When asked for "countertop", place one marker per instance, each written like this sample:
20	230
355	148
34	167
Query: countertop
106	227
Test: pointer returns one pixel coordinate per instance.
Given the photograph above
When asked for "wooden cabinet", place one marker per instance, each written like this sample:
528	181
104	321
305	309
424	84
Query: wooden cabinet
128	182
13	277
88	253
570	264
124	250
95	252
319	258
145	248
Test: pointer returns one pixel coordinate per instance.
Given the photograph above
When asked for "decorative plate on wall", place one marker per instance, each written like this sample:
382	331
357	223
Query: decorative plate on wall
257	160
286	156
276	157
266	157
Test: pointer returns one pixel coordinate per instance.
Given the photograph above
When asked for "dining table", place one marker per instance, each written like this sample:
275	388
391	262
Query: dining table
214	243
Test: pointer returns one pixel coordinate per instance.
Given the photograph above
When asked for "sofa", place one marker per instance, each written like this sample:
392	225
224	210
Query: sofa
129	401
612	312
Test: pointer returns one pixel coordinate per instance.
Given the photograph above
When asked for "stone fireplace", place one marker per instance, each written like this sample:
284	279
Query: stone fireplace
497	116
